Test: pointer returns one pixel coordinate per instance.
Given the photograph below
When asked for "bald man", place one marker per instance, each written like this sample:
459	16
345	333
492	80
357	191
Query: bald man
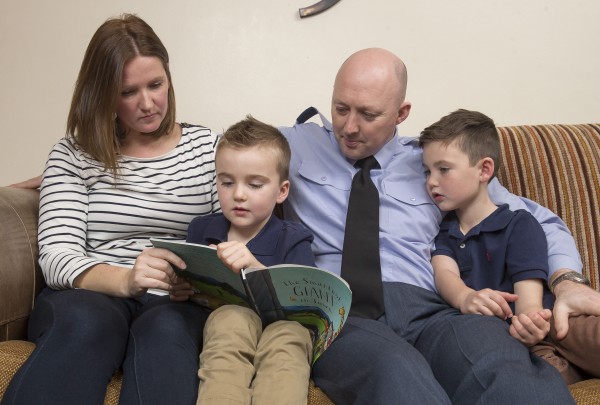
420	351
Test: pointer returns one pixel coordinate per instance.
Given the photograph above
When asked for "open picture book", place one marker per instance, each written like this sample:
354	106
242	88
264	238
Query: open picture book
316	298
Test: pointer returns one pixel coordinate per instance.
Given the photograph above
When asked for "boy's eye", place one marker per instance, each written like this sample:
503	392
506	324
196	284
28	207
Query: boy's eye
444	169
226	183
255	186
427	173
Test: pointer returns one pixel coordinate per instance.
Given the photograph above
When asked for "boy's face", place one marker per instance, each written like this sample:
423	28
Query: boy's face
249	186
452	183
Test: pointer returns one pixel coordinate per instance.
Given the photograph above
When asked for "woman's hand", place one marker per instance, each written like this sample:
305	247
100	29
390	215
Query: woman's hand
153	268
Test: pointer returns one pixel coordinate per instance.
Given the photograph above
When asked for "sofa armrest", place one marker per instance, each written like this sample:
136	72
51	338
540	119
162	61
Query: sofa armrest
20	276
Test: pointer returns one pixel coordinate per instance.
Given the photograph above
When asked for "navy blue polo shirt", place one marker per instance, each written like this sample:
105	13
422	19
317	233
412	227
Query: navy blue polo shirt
278	242
506	247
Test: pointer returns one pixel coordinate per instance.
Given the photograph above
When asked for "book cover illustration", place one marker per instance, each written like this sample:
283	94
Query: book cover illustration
315	298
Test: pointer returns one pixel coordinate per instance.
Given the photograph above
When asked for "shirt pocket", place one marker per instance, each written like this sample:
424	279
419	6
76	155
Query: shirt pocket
322	193
409	212
316	174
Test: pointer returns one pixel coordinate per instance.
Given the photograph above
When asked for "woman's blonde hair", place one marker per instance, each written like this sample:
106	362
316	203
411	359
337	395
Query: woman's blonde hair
92	119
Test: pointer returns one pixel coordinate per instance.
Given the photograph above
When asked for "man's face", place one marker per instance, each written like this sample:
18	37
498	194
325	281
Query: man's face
365	111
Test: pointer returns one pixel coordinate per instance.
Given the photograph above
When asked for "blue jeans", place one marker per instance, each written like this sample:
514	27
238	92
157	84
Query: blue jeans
424	352
83	337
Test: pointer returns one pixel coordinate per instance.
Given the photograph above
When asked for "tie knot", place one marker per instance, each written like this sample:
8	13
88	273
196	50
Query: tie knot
367	163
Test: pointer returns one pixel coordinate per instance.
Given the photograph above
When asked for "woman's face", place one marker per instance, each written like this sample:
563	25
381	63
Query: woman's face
143	100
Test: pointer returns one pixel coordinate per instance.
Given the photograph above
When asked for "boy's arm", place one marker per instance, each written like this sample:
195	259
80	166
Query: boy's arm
530	296
531	323
448	282
527	265
455	292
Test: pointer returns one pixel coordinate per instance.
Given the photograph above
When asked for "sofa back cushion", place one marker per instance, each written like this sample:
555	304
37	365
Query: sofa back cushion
558	166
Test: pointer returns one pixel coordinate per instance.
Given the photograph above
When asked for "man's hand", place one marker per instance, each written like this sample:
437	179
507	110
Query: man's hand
573	299
34	182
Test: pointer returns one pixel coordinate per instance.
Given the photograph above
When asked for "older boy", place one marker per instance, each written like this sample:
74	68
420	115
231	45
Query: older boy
488	259
240	362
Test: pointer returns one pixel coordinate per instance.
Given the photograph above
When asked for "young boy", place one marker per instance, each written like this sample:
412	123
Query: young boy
240	362
488	260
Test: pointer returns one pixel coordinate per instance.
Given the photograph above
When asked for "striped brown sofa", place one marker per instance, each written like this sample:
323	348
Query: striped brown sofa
555	165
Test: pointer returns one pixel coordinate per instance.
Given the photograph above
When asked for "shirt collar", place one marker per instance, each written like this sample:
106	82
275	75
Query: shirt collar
496	221
261	245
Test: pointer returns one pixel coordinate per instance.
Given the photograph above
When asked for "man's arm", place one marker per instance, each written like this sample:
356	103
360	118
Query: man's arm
562	250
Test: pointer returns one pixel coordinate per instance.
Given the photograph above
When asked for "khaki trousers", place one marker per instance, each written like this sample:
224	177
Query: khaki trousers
577	356
241	363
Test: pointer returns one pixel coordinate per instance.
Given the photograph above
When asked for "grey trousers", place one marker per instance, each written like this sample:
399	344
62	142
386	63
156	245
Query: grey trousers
422	351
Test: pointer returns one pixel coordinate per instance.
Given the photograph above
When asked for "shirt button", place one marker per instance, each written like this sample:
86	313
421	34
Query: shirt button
462	246
413	199
323	178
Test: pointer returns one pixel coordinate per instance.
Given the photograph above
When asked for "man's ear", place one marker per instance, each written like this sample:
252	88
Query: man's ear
486	167
284	189
403	112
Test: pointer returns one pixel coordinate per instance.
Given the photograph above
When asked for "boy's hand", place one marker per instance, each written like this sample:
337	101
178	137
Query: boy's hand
236	256
488	302
531	328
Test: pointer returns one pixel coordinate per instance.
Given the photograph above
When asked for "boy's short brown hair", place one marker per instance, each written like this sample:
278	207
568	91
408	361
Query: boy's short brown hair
475	134
251	132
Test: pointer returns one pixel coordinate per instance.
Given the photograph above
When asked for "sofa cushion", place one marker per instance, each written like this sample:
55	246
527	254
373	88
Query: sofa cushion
558	166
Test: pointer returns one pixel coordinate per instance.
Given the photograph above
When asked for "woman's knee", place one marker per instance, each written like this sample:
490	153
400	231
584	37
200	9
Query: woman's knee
79	316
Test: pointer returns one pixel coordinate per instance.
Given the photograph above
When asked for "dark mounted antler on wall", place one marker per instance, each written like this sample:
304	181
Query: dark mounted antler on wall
316	8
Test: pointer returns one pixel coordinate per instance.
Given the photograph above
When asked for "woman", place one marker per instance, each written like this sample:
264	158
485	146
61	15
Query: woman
124	173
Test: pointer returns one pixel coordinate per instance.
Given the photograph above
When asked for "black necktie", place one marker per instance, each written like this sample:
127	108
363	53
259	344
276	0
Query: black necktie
361	267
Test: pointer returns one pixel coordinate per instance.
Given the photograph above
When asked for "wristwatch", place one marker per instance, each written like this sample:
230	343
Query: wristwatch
571	276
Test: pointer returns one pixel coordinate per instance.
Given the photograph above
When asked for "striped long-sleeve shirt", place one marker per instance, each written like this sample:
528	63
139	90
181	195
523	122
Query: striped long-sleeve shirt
88	217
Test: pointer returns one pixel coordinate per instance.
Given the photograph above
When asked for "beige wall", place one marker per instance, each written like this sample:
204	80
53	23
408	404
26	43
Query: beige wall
518	61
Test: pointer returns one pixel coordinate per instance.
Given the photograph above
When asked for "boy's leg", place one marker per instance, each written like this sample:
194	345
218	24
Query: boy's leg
282	364
226	370
477	361
581	346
